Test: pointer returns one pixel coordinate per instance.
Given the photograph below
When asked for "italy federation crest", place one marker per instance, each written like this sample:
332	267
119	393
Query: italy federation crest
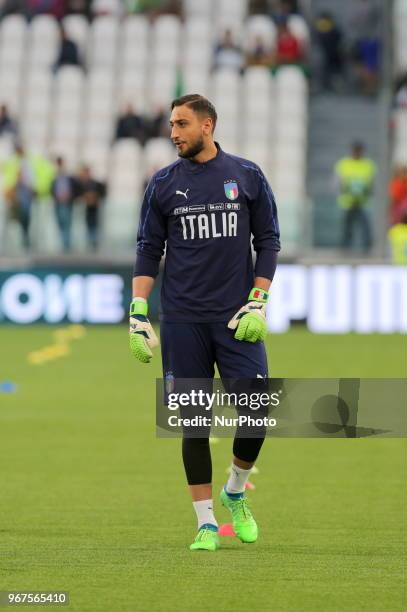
231	190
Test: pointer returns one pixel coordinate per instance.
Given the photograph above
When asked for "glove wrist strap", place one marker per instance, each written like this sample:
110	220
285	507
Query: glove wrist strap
258	295
139	306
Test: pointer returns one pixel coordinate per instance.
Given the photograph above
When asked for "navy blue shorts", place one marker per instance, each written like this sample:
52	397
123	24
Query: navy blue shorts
191	350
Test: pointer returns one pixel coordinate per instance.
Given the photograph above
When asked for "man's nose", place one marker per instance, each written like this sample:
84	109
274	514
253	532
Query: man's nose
174	133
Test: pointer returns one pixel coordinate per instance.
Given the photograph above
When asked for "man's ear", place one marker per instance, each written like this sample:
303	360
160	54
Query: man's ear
207	126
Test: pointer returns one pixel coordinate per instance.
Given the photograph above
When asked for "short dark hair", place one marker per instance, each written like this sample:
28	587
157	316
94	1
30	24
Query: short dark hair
199	104
359	145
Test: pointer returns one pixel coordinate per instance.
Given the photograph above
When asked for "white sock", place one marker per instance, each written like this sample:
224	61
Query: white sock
204	512
237	479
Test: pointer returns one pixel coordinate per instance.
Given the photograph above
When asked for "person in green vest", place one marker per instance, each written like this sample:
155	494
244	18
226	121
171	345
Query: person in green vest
19	189
397	236
355	176
25	176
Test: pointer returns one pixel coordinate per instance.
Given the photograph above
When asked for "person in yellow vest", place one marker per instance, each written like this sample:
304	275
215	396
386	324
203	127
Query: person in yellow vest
355	176
25	176
397	236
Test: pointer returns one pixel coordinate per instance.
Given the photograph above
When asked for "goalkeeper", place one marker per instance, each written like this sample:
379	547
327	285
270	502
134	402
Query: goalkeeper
204	208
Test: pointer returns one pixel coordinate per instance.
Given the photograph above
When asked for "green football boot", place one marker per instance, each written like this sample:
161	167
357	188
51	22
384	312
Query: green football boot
206	539
243	522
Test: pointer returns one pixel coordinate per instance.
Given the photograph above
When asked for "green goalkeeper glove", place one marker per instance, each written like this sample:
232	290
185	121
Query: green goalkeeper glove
142	335
250	321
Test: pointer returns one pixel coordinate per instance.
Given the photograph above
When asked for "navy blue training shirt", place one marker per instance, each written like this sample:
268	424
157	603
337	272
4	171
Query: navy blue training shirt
205	215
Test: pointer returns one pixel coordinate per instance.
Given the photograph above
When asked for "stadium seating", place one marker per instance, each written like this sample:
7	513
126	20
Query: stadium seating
400	137
134	37
201	10
77	29
111	7
400	68
73	112
263	27
13	34
299	28
103	43
400	41
43	38
66	119
36	109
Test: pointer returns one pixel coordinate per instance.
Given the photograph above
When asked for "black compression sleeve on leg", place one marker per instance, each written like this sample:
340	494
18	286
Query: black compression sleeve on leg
247	449
196	455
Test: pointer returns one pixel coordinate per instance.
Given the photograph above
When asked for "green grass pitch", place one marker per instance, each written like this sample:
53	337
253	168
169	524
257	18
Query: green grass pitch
92	503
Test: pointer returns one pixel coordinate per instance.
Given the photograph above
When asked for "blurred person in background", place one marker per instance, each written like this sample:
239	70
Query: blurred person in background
282	9
258	7
10	7
158	124
397	236
153	8
19	182
131	124
8	126
400	98
63	190
329	38
365	22
289	49
68	53
142	6
398	195
25	176
260	54
79	7
172	7
56	8
228	54
355	178
91	192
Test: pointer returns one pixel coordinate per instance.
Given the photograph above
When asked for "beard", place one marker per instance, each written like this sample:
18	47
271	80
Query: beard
193	150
